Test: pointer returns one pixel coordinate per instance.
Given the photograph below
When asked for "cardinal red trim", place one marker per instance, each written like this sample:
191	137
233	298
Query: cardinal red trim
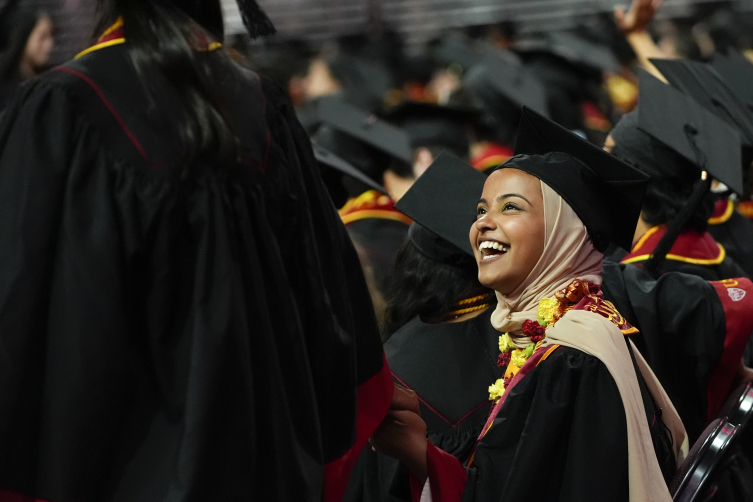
374	400
737	299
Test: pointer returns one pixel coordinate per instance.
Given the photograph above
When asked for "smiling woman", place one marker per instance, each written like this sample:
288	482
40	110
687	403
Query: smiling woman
508	236
575	394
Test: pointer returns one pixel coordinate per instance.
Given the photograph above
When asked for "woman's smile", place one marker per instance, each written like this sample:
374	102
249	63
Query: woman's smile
508	235
491	249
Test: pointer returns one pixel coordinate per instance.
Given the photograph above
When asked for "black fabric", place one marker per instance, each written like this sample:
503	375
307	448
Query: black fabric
443	201
436	248
450	366
684	125
604	192
565	419
637	147
736	235
377	241
168	331
681	334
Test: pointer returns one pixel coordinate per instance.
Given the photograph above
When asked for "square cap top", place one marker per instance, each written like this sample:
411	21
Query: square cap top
513	82
605	193
443	200
570	47
706	86
433	124
364	127
691	130
328	160
737	72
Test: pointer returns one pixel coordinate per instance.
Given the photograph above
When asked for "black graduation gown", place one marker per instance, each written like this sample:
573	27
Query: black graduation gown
691	346
735	232
377	230
171	332
450	366
561	435
682	332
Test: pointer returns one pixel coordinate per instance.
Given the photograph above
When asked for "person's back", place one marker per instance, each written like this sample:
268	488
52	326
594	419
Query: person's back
169	328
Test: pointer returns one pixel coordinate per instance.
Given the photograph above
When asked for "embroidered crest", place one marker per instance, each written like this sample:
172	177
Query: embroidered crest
736	294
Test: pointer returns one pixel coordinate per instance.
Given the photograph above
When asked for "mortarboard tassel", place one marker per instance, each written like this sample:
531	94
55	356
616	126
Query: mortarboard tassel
674	229
256	20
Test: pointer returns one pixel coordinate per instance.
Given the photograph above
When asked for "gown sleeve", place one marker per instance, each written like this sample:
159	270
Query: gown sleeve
560	435
35	179
347	296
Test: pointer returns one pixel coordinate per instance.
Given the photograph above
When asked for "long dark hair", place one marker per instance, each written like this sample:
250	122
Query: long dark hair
160	35
427	288
16	25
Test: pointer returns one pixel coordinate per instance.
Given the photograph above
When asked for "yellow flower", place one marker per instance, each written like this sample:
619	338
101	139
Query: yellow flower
547	308
496	390
505	343
519	358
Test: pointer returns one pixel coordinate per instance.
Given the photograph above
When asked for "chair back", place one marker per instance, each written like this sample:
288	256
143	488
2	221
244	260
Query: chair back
694	476
738	408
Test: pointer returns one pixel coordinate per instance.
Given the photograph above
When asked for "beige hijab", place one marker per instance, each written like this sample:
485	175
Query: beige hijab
569	254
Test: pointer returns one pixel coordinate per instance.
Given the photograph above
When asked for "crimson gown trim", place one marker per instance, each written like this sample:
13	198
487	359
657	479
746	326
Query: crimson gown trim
374	400
736	296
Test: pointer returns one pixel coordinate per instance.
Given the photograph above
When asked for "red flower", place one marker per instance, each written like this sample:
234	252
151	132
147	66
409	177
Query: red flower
506	381
534	330
503	359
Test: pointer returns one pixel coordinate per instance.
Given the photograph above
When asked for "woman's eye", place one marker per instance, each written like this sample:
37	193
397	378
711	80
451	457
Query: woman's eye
510	206
480	211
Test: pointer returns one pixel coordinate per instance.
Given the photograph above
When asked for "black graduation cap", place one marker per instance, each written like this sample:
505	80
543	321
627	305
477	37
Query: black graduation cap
572	48
604	192
455	49
510	81
737	72
334	168
704	85
365	127
433	124
678	121
442	204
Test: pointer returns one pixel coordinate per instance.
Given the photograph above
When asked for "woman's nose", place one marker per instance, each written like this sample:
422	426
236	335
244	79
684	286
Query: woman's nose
484	223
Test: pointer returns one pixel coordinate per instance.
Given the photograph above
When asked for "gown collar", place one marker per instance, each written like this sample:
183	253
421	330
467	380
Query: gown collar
690	247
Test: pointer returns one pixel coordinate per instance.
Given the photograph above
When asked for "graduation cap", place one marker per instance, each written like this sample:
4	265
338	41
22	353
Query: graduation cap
365	127
604	192
737	72
698	135
455	49
334	169
706	86
504	79
572	48
433	124
371	145
442	204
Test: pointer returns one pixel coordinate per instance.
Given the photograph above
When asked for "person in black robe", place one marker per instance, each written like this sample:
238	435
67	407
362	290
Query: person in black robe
26	40
672	232
182	314
734	231
442	344
560	429
382	153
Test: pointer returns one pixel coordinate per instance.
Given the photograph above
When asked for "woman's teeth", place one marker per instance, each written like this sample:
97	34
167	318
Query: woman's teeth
492	248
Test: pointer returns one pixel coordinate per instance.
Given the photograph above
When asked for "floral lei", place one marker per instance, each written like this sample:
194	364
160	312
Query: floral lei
549	312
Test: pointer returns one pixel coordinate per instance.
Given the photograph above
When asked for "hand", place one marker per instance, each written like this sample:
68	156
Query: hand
402	434
638	17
